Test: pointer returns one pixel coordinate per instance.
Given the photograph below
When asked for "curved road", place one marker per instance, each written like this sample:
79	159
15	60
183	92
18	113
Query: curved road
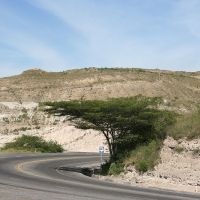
35	176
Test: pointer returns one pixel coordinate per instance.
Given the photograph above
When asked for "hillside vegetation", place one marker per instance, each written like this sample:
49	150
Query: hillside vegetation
187	126
180	90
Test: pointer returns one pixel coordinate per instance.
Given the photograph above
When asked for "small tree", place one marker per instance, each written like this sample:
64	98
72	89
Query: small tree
125	122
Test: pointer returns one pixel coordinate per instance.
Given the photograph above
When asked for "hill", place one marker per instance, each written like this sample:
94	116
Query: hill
179	89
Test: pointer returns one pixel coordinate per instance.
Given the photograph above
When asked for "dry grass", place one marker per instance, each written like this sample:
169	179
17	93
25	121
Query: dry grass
145	156
181	90
187	126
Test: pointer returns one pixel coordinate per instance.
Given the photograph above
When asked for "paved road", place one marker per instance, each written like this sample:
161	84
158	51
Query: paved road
35	176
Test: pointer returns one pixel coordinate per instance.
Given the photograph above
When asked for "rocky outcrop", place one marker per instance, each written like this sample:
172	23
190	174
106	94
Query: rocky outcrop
180	162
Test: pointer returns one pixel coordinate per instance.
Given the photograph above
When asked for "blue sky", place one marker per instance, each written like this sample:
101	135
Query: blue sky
58	35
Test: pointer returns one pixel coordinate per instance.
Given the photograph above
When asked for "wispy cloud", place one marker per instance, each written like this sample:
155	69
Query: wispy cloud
26	46
127	34
76	34
105	30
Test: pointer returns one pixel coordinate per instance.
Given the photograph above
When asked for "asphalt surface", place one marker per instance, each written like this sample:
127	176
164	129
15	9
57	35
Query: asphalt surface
36	176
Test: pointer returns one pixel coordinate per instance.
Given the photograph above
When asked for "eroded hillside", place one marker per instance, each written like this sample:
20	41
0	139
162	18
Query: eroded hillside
179	89
26	118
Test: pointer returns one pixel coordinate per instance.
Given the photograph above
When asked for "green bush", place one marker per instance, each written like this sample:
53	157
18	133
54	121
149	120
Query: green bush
145	157
115	168
6	120
179	149
23	129
32	144
188	125
111	168
24	110
196	151
23	116
142	166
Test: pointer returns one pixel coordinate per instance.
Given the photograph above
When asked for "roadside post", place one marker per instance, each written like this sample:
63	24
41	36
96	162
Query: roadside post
101	151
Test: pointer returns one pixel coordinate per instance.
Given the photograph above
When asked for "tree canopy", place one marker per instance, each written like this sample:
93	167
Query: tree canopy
125	122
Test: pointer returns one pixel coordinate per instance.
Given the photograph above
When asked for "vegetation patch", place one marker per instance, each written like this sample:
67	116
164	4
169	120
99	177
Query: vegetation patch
187	126
144	157
27	143
115	168
179	149
6	120
23	129
196	152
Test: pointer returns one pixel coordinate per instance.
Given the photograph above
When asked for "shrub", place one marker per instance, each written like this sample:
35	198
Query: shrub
115	168
23	116
32	143
6	120
140	70
188	125
24	110
196	151
144	157
35	122
23	129
179	149
142	166
5	132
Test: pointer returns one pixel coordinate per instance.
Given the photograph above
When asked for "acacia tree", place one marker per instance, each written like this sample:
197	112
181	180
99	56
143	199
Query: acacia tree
125	122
